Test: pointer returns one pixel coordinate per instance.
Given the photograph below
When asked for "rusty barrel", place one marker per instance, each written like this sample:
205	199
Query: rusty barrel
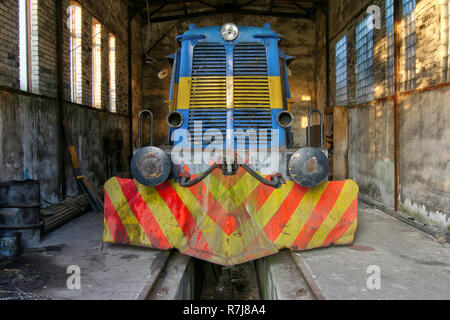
20	211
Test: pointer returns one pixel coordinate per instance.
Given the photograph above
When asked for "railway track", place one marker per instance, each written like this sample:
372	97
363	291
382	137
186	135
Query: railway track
284	276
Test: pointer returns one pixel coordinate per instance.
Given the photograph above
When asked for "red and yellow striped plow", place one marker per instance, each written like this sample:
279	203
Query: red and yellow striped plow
230	220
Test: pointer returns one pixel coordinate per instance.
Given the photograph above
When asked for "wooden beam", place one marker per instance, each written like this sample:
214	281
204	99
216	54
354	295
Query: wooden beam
340	143
232	10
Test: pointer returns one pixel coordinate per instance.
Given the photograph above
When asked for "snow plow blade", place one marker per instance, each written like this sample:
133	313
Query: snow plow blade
229	220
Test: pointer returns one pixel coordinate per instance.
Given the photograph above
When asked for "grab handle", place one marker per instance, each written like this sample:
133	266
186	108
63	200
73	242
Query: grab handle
139	127
322	129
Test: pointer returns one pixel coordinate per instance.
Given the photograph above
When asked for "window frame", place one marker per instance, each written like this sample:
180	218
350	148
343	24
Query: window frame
112	72
410	43
390	63
341	71
97	77
364	60
76	53
25	73
445	36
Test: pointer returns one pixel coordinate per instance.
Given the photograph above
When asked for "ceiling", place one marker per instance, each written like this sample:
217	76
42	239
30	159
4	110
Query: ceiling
169	10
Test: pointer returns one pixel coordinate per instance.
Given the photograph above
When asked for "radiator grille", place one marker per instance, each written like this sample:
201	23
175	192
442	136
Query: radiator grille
251	94
251	83
208	90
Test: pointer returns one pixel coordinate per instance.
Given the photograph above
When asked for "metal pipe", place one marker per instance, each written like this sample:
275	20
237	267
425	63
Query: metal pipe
139	127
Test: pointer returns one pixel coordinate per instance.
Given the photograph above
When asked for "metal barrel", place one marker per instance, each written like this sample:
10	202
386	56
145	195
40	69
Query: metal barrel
20	211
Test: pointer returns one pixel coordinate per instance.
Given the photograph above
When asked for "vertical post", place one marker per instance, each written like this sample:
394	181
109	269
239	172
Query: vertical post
327	37
61	98
340	142
397	31
130	82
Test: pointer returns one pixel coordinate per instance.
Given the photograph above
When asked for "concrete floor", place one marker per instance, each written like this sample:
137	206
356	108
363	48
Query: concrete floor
108	272
412	264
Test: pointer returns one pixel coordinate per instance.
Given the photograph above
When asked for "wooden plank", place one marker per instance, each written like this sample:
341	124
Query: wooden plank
340	157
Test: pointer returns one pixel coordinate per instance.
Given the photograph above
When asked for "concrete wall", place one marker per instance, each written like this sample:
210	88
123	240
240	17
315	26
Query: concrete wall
299	41
425	155
371	150
29	141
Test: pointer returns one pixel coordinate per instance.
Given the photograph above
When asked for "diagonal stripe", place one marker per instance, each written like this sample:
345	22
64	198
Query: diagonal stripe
144	215
344	224
228	181
213	208
163	216
184	217
284	213
115	226
272	204
300	216
213	234
348	236
318	215
266	201
132	227
344	201
107	237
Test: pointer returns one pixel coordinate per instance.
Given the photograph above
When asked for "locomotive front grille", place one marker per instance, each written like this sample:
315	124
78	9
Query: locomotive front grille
249	90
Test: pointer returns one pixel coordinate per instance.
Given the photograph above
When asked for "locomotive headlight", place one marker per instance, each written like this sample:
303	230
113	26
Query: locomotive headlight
229	32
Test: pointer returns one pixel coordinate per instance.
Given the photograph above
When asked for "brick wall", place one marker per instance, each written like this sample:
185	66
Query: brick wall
113	16
344	17
9	44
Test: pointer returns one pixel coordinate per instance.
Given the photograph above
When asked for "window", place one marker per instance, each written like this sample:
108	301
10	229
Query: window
112	73
341	71
96	64
445	27
390	45
75	53
25	44
410	43
364	60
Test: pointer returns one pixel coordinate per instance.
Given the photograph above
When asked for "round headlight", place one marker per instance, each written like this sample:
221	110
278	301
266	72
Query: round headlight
229	32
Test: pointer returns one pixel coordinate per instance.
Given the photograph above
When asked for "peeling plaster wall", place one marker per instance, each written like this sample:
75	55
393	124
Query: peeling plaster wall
29	130
299	41
425	155
371	150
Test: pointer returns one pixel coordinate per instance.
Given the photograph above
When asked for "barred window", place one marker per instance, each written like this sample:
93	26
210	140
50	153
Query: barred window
75	53
341	71
445	27
112	74
390	45
96	64
364	60
410	43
